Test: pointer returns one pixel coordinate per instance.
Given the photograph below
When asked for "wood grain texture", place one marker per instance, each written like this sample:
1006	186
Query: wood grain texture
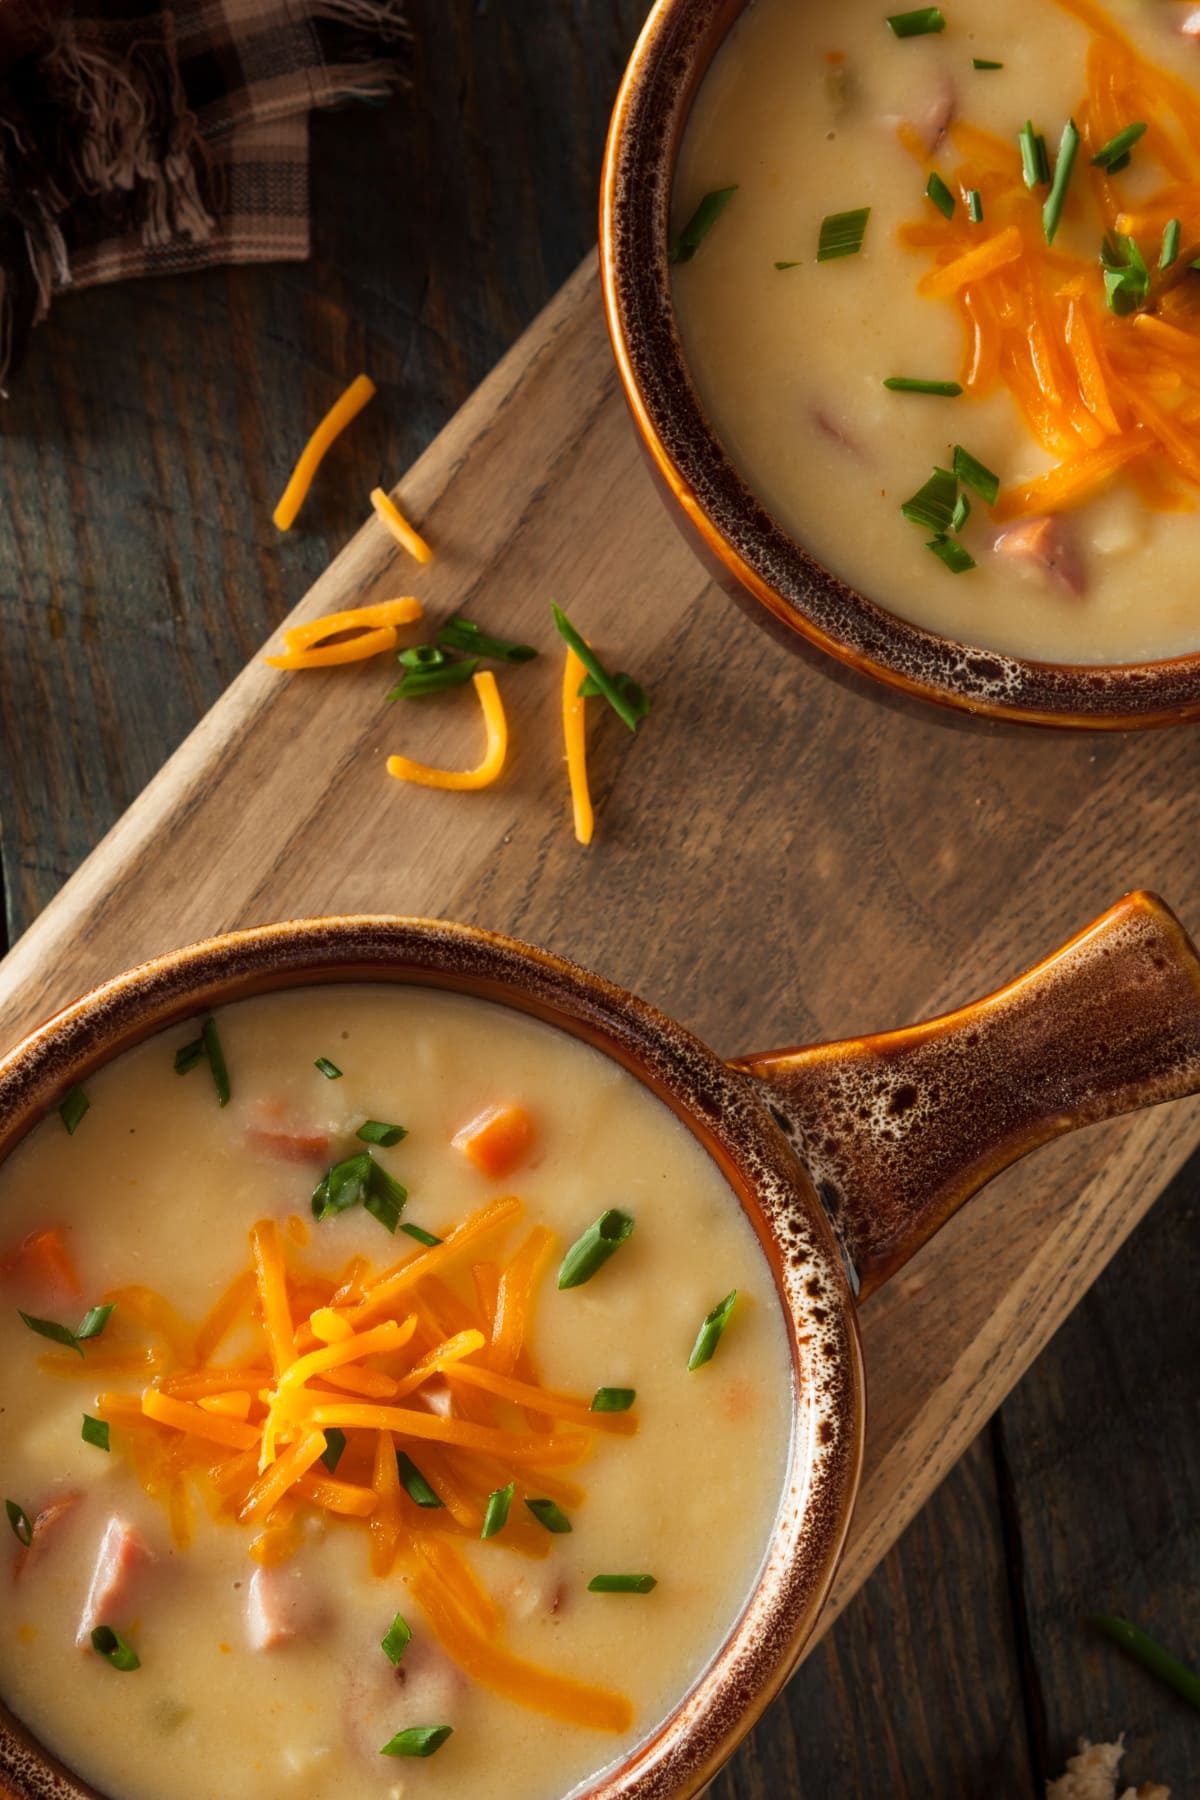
863	867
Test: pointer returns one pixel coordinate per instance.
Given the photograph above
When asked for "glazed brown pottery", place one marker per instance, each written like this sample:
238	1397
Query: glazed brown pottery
774	577
846	1157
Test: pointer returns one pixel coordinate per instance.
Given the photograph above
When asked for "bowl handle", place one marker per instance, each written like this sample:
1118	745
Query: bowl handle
897	1130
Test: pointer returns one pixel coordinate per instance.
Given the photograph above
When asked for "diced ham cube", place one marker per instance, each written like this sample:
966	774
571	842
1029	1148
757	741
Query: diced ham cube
1044	547
45	1525
123	1553
290	1146
423	1688
282	1604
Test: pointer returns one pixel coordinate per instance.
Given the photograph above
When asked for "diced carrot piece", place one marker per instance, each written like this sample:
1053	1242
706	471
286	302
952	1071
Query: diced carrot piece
496	1139
42	1261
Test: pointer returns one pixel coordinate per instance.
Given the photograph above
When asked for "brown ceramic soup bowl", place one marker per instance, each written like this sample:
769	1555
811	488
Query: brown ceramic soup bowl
845	1157
767	571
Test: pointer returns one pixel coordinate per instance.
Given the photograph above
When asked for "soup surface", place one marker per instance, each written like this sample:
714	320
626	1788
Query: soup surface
261	1670
1086	415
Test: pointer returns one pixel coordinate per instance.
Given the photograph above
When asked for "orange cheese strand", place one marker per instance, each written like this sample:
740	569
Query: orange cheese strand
574	724
283	1473
516	1447
346	407
183	1415
375	628
455	1575
486	772
570	1409
385	1524
335	1496
271	1278
404	533
381	1293
514	1298
450	1350
982	259
345	650
1073	480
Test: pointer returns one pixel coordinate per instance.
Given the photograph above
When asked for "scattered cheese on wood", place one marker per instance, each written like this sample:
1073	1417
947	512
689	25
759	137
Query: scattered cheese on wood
374	630
398	525
483	775
346	407
574	716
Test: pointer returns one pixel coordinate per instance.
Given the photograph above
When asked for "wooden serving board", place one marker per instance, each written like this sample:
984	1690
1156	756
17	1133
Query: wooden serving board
777	860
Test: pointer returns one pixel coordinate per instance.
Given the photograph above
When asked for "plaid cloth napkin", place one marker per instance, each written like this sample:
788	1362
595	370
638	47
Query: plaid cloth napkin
140	140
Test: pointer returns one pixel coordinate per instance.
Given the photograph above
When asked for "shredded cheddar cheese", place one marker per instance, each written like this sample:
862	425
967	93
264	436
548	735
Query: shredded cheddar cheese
373	629
574	725
483	775
346	407
398	525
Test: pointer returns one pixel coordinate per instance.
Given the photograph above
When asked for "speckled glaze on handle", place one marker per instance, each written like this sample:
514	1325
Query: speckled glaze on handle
897	1130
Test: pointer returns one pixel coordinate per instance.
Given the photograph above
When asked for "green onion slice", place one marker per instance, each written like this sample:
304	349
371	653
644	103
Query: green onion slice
385	1198
975	207
589	1253
961	513
709	1334
422	656
115	1649
1170	244
1114	156
18	1518
548	1514
375	1131
462	634
985	62
1126	277
621	1584
912	384
613	1399
335	1443
414	684
633	692
495	1517
329	1070
398	1638
418	1740
932	506
422	1236
414	1483
95	1431
596	669
937	191
1056	198
1152	1656
216	1060
686	242
842	234
343	1186
918	23
90	1326
72	1110
953	555
1035	160
974	474
94	1321
787	265
187	1057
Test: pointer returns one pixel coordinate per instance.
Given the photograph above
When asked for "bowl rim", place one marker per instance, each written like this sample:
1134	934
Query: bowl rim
722	1108
787	587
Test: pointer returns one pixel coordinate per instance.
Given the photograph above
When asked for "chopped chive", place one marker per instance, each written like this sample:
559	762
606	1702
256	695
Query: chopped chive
975	207
621	1584
342	1186
398	1638
1152	1656
329	1070
495	1517
685	243
115	1649
911	384
95	1431
216	1060
932	506
463	634
50	1328
422	1236
1035	160
414	684
422	656
414	1483
1170	244
417	1740
613	1399
842	234
18	1518
385	1198
632	691
974	474
94	1321
1126	277
937	191
709	1334
376	1131
72	1110
1057	197
961	513
787	265
596	669
335	1443
917	23
548	1514
187	1058
1114	156
953	555
985	62
589	1253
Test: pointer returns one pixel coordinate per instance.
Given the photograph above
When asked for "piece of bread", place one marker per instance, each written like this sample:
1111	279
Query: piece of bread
1092	1775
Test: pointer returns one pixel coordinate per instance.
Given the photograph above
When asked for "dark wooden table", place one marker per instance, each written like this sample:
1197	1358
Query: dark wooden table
143	448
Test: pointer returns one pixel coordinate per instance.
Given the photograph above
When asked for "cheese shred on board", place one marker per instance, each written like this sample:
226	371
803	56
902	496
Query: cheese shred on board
574	707
346	407
374	628
404	769
398	525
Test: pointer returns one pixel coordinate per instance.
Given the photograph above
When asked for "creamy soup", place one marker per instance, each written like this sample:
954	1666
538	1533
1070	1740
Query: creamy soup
1085	416
253	1582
